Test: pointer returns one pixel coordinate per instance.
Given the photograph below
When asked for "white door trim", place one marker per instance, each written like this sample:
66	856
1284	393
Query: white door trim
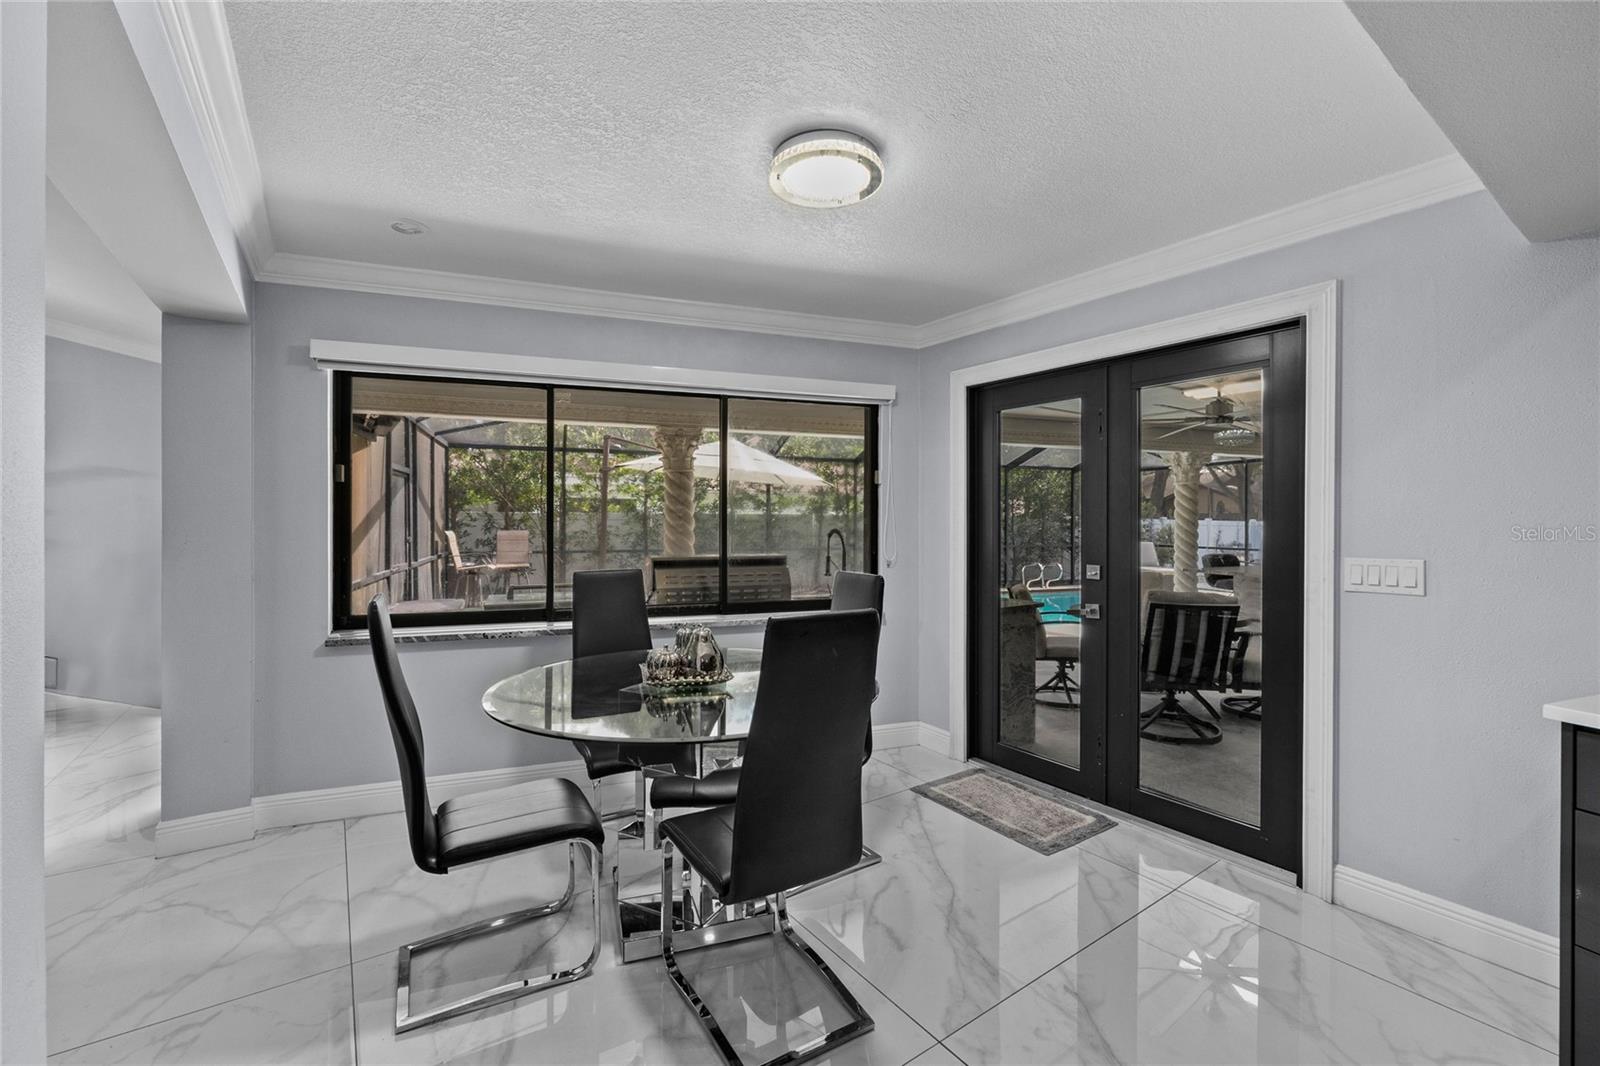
1318	305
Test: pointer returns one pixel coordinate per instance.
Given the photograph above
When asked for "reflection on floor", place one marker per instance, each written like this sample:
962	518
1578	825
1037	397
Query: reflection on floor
1224	777
1136	946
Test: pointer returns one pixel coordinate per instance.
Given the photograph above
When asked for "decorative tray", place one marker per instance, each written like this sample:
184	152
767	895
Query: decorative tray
688	683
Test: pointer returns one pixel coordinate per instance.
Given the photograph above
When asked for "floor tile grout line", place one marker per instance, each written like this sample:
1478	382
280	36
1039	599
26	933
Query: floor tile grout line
350	945
870	983
196	1010
126	707
100	865
1190	897
1080	950
952	1051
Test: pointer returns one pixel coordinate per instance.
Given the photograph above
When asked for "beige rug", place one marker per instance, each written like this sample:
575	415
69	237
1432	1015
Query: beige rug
1026	813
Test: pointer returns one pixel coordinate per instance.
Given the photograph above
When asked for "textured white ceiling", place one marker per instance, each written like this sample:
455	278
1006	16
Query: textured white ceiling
624	146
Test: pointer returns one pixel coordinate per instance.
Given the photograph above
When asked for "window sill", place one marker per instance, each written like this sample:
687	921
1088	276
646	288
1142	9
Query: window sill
357	638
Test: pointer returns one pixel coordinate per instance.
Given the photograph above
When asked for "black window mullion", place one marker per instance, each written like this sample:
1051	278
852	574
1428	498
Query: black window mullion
342	489
722	504
549	505
870	531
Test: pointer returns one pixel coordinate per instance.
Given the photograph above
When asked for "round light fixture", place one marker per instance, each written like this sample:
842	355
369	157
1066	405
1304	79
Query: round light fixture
408	227
825	168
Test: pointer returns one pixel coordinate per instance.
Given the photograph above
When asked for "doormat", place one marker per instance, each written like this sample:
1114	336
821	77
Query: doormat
1028	815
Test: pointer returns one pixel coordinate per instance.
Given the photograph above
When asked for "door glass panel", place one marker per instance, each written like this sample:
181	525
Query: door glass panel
1200	531
1041	568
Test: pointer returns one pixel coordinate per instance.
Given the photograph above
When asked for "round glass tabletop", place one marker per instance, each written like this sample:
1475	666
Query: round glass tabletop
600	697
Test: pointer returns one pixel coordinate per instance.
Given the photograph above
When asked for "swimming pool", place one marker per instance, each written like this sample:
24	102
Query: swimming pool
1055	603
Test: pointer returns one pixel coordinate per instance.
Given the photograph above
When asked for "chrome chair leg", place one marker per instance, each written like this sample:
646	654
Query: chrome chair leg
405	1021
860	1022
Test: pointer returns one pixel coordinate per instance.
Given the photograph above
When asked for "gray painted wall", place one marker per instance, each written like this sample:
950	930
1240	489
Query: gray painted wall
319	720
1470	381
1469	391
207	573
102	522
22	952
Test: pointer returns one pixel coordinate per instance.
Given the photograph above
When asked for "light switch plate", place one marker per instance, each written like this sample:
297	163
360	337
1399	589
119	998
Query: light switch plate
1392	577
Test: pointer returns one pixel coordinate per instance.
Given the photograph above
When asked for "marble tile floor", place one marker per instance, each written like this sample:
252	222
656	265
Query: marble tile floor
1136	946
102	770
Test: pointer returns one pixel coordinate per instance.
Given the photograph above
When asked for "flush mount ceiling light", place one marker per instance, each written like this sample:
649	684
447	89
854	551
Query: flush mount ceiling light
825	168
408	227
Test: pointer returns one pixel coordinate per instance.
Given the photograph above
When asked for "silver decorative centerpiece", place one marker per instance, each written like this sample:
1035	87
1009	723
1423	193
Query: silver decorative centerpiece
694	662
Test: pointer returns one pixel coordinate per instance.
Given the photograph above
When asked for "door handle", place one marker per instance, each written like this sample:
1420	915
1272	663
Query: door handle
1088	610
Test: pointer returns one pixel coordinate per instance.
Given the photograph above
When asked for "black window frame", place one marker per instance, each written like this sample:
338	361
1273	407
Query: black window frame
549	613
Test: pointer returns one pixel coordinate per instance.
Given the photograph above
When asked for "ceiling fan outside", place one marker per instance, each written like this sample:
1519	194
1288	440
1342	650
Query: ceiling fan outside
1217	415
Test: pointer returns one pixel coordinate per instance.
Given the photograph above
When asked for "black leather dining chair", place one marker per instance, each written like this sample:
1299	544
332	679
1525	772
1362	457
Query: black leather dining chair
608	616
795	820
852	591
483	825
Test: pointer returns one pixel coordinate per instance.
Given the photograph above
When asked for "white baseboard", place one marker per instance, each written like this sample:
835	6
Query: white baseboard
210	830
384	797
1516	947
931	736
896	735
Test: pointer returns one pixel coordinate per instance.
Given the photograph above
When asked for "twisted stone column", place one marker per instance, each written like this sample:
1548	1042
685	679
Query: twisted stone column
677	469
1185	519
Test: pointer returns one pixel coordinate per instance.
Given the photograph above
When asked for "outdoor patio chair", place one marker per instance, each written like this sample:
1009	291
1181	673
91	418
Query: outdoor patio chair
466	582
1187	638
1244	671
1058	644
513	554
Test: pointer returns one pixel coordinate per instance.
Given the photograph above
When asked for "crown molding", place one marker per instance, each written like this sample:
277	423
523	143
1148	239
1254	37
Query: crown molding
1404	190
105	340
202	51
288	269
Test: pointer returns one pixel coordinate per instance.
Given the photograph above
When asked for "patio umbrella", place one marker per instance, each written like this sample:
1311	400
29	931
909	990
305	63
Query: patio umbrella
746	464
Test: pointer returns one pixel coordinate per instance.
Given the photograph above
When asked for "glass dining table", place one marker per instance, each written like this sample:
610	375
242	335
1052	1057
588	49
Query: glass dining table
601	698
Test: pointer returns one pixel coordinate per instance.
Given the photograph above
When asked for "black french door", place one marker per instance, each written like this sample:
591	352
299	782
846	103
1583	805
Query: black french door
1136	550
1039	464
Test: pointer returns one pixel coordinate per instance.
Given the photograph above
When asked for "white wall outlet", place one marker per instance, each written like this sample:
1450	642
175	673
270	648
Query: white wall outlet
1393	577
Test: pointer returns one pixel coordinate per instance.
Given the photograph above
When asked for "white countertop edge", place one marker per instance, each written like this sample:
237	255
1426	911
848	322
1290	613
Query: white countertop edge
1580	710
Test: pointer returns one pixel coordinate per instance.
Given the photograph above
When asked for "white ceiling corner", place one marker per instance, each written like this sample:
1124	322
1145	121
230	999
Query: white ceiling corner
89	298
203	54
1406	190
895	263
1516	87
